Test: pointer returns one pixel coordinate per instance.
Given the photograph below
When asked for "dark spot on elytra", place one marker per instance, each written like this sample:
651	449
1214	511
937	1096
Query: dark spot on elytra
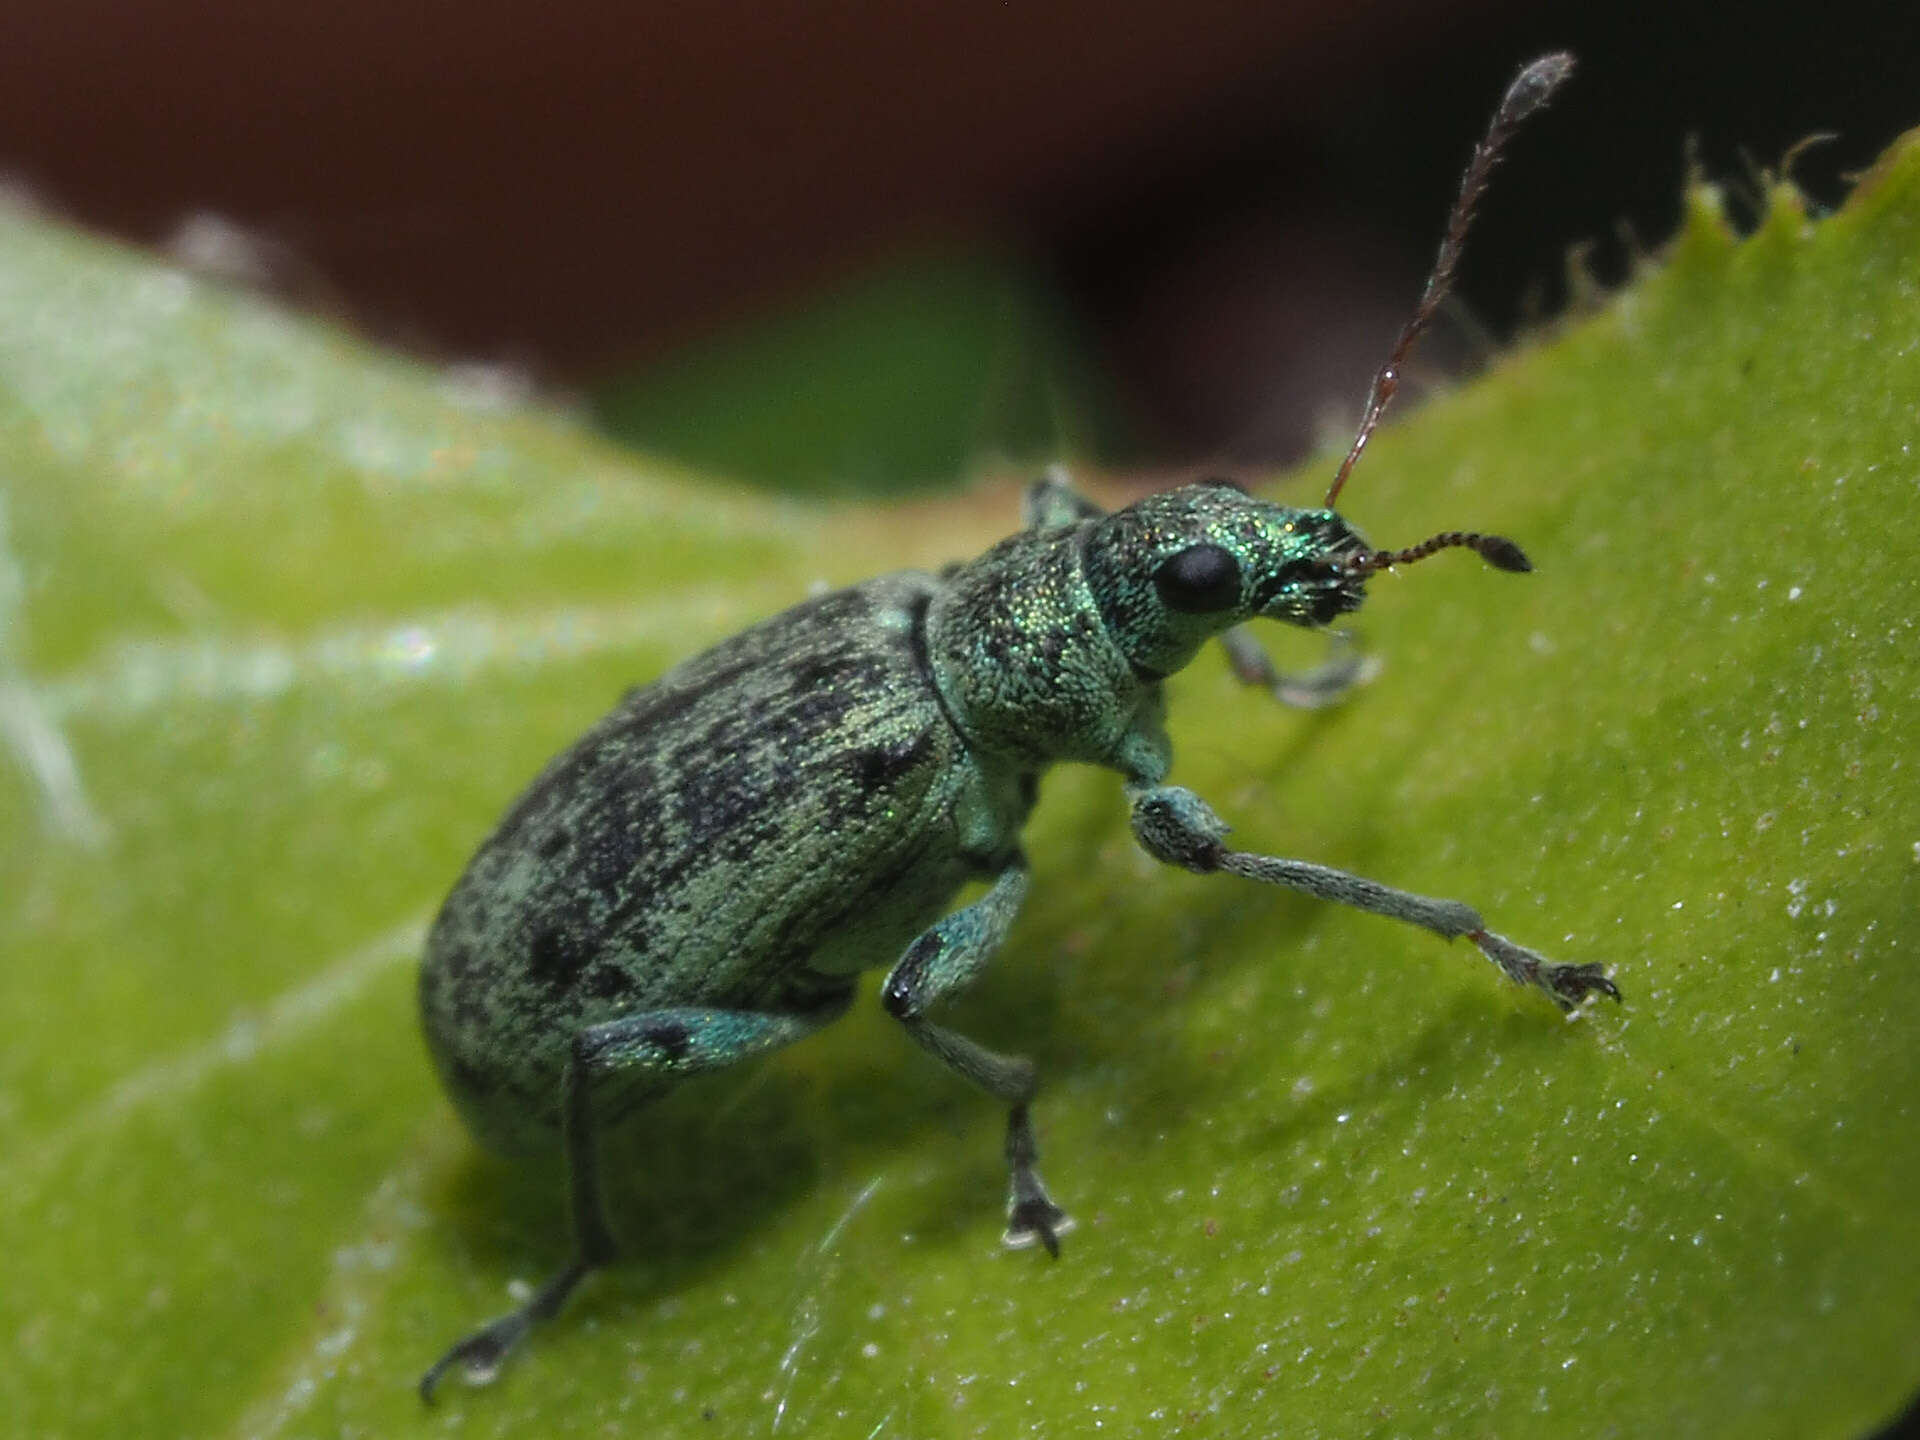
555	958
878	766
451	959
607	753
557	840
605	869
854	670
708	812
606	982
812	715
472	1009
815	670
470	1079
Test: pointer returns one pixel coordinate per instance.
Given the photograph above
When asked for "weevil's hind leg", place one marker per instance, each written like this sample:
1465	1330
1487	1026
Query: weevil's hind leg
657	1047
1176	826
1325	684
1051	500
942	962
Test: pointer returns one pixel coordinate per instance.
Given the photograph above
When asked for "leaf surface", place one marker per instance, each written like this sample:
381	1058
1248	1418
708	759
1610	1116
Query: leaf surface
284	624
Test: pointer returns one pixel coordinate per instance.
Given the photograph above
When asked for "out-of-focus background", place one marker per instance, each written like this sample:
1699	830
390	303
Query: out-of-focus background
267	675
864	243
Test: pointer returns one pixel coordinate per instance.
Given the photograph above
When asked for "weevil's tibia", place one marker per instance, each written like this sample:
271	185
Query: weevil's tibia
1176	826
1530	90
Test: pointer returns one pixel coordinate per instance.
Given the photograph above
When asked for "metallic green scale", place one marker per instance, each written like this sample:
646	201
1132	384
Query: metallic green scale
701	877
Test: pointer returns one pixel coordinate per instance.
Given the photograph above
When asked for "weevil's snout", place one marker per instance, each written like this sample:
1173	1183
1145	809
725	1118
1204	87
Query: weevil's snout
1316	570
1323	567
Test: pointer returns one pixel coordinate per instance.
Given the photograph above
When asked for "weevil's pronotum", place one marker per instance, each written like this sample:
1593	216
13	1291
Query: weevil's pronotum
704	875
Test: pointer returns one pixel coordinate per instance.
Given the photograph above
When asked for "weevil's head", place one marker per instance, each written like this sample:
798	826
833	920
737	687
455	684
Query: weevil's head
1174	570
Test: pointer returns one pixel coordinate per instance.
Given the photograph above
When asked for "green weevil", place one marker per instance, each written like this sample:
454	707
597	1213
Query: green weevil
704	875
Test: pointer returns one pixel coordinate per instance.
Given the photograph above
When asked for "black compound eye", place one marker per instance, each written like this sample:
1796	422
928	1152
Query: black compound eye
1200	579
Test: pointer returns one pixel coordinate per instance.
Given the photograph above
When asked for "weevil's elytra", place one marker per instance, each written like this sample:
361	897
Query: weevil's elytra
703	875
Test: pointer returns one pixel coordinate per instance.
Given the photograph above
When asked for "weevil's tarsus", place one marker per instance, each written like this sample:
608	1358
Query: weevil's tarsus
481	1355
1567	985
1530	90
1031	1214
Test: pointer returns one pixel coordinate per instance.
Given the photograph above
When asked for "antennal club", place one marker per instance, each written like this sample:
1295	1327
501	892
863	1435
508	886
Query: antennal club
1530	90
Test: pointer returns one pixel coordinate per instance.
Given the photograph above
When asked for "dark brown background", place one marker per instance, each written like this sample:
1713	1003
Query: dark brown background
1228	192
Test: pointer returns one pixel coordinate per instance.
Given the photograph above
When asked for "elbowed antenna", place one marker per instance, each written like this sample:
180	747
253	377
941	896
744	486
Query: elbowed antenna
1496	550
1530	89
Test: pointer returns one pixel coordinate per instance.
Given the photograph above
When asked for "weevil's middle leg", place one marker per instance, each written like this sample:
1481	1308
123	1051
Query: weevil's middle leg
942	962
658	1045
1175	825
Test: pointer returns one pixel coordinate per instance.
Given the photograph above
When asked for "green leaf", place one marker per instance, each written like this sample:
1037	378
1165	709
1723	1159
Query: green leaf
285	624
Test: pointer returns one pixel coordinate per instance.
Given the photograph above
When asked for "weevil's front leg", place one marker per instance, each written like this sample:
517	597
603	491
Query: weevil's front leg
1051	500
942	962
1175	825
1325	684
655	1047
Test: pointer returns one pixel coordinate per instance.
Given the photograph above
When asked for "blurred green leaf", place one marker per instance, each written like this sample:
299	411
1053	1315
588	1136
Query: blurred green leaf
285	624
923	370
